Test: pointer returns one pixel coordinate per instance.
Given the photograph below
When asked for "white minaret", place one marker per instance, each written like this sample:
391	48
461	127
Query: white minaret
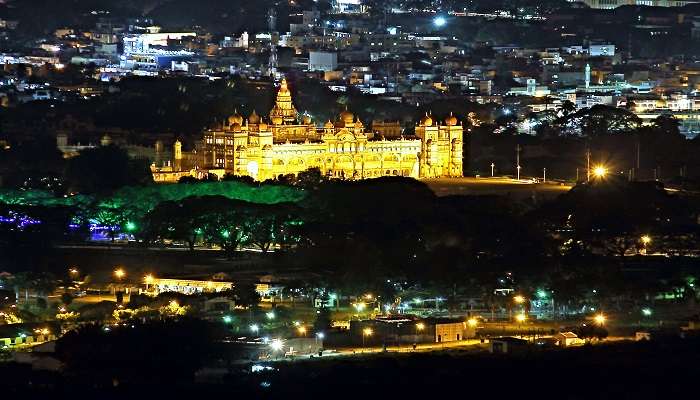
588	75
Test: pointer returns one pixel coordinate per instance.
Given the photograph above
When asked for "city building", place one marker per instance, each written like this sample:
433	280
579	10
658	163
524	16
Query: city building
611	4
291	143
323	61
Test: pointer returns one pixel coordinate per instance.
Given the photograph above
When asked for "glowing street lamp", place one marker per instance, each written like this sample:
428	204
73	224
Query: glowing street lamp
276	344
439	21
148	279
472	322
600	171
365	333
270	315
119	273
420	326
647	312
254	328
302	330
600	319
73	272
521	318
519	299
645	239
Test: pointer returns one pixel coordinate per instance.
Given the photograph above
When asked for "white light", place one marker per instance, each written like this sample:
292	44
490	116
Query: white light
320	335
439	21
276	344
254	328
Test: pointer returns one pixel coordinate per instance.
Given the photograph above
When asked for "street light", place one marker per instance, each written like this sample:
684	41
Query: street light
647	312
270	315
119	273
302	330
254	328
600	171
519	299
472	322
276	344
521	318
646	239
600	319
366	332
439	21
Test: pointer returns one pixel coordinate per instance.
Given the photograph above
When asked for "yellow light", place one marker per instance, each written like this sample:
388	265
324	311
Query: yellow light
119	273
646	239
472	322
600	171
519	299
368	296
420	326
73	271
599	319
302	330
148	278
521	317
174	304
367	332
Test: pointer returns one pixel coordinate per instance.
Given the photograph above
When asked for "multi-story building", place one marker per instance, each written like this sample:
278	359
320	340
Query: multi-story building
291	143
610	4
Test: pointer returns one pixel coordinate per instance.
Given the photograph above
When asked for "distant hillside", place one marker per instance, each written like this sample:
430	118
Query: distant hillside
39	17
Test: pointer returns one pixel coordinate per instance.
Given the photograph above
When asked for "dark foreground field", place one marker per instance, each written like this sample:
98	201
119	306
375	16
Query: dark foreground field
662	370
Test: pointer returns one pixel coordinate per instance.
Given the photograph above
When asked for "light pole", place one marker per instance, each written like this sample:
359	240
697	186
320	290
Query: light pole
419	328
365	332
119	273
517	159
646	240
492	167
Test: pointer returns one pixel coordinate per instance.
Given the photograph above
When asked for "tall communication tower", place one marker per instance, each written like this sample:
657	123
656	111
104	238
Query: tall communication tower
272	25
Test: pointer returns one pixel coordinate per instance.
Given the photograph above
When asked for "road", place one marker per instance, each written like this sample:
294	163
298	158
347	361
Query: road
494	186
422	347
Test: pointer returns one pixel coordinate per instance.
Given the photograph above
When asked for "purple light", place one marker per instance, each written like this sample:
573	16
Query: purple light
19	221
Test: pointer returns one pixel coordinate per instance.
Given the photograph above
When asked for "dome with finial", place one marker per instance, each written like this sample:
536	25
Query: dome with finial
347	117
254	118
236	118
236	127
283	86
306	120
328	125
451	120
426	120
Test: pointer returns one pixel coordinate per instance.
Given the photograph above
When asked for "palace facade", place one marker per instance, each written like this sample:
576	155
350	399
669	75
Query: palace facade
288	143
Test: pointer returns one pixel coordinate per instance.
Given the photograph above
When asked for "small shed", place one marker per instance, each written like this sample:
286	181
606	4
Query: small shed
567	339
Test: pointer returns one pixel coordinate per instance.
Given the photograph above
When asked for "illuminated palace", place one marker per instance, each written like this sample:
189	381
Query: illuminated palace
291	143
